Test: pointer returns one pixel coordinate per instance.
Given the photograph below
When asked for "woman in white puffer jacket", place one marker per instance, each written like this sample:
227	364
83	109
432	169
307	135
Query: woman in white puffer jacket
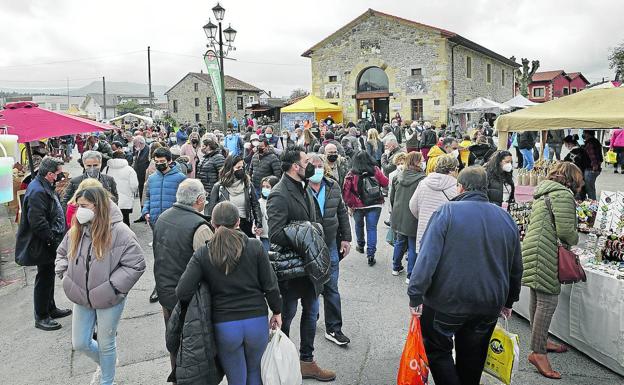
127	182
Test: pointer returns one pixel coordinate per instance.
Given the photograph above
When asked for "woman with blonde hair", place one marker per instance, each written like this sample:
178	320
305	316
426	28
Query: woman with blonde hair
309	141
554	198
99	261
71	204
374	146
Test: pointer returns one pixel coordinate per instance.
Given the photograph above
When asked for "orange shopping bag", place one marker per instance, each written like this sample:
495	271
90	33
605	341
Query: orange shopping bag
414	366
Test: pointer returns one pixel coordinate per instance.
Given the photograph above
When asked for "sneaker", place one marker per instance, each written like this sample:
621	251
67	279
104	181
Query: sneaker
398	271
312	370
338	338
359	249
616	171
371	260
407	280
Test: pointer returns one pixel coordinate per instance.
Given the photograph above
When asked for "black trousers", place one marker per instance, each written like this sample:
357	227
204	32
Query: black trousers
126	216
246	227
44	291
472	336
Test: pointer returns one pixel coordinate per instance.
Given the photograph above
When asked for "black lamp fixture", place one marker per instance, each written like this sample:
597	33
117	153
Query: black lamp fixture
219	12
210	29
230	34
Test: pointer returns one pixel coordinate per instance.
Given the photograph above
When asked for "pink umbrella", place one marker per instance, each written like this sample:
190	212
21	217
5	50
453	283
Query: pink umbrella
30	123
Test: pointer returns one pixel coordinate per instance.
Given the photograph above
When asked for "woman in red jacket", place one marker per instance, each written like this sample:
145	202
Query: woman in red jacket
362	194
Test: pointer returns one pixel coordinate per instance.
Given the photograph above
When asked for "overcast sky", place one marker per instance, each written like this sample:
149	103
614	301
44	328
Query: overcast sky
39	38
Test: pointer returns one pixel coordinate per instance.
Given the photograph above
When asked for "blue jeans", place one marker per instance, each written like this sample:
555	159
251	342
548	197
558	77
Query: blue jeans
590	183
266	243
399	246
331	296
372	217
240	345
527	158
104	350
293	290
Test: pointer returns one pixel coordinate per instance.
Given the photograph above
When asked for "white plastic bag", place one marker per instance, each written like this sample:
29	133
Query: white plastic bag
280	361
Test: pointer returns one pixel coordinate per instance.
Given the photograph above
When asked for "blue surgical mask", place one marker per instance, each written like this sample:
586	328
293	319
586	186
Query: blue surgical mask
266	192
269	136
318	175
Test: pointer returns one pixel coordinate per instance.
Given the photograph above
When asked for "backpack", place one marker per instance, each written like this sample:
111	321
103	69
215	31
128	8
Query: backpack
369	190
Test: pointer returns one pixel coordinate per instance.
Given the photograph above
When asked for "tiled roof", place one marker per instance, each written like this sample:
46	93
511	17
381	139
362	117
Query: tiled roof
546	76
574	75
231	83
451	36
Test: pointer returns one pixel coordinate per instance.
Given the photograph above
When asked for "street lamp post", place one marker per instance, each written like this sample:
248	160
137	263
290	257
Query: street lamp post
215	35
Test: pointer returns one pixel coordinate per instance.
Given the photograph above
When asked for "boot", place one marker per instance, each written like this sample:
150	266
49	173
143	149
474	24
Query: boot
371	260
312	370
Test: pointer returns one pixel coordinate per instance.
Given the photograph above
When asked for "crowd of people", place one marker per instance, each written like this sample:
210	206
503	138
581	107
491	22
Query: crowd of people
261	219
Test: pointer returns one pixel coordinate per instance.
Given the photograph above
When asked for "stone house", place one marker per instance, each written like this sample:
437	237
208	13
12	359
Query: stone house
549	85
193	100
379	64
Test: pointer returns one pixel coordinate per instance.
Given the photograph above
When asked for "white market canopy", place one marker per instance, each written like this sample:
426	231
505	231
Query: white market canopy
146	119
479	104
519	101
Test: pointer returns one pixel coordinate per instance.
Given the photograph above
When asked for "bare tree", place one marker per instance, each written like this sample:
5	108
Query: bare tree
524	75
616	61
299	92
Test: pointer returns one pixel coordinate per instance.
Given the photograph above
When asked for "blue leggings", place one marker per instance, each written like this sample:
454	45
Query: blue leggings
240	345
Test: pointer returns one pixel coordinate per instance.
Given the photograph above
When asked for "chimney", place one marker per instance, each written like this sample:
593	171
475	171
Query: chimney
269	93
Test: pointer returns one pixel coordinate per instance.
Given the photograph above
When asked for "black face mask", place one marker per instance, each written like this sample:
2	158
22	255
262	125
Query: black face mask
332	158
309	171
239	174
194	141
162	167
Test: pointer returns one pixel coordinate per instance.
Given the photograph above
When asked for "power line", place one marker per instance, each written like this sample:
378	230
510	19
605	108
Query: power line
237	60
46	81
73	60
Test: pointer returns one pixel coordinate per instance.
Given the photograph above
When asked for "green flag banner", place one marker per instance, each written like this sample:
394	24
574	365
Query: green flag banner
212	65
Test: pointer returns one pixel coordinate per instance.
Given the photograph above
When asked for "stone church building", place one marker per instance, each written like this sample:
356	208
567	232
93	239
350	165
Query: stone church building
382	64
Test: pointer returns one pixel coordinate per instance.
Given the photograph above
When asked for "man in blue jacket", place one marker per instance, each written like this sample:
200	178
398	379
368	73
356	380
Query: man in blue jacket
467	273
161	191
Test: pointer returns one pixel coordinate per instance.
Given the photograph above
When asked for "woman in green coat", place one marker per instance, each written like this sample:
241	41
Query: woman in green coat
540	257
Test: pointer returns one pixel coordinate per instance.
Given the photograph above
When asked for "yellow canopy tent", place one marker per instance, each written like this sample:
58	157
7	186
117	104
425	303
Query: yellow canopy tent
588	109
312	106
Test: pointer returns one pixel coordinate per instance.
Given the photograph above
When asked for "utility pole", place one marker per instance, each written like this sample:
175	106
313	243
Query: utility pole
68	94
149	80
104	94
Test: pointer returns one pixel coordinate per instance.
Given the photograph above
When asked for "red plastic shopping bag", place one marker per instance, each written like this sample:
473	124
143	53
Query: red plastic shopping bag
414	366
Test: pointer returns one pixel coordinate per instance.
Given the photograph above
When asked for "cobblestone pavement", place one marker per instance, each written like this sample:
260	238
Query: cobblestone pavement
375	316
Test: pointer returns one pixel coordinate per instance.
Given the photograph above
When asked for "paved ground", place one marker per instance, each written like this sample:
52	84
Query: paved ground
375	318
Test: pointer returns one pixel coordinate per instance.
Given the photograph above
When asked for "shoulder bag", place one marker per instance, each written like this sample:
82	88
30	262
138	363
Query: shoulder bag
570	269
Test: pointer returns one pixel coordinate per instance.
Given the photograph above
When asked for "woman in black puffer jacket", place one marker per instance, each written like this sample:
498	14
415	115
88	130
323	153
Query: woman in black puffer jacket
208	170
500	178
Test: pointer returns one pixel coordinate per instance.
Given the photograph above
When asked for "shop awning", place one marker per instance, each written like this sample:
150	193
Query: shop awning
129	115
519	101
31	123
588	109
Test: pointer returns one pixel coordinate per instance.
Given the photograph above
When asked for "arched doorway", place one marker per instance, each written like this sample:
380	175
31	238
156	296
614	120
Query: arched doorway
373	96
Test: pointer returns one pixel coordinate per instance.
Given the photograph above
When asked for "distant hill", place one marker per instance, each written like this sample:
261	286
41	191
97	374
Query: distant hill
95	87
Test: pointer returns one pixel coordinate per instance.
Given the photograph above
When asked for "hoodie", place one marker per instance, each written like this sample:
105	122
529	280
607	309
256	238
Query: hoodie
126	179
472	270
480	153
431	193
432	160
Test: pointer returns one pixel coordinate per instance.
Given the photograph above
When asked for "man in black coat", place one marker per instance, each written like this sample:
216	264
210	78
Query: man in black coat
337	229
179	232
140	164
264	163
92	164
40	231
210	166
289	202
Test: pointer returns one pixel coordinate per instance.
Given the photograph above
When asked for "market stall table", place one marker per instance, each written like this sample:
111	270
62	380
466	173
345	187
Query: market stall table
589	317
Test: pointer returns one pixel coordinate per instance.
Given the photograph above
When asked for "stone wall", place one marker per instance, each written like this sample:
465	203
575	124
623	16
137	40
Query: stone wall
398	47
185	94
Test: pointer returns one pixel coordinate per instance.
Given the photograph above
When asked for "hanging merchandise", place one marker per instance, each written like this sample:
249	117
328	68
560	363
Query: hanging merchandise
610	213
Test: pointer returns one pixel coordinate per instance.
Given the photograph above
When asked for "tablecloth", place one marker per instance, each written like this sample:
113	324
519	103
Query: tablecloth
589	317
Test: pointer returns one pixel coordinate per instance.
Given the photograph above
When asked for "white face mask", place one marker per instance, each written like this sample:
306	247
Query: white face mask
507	167
455	153
84	215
